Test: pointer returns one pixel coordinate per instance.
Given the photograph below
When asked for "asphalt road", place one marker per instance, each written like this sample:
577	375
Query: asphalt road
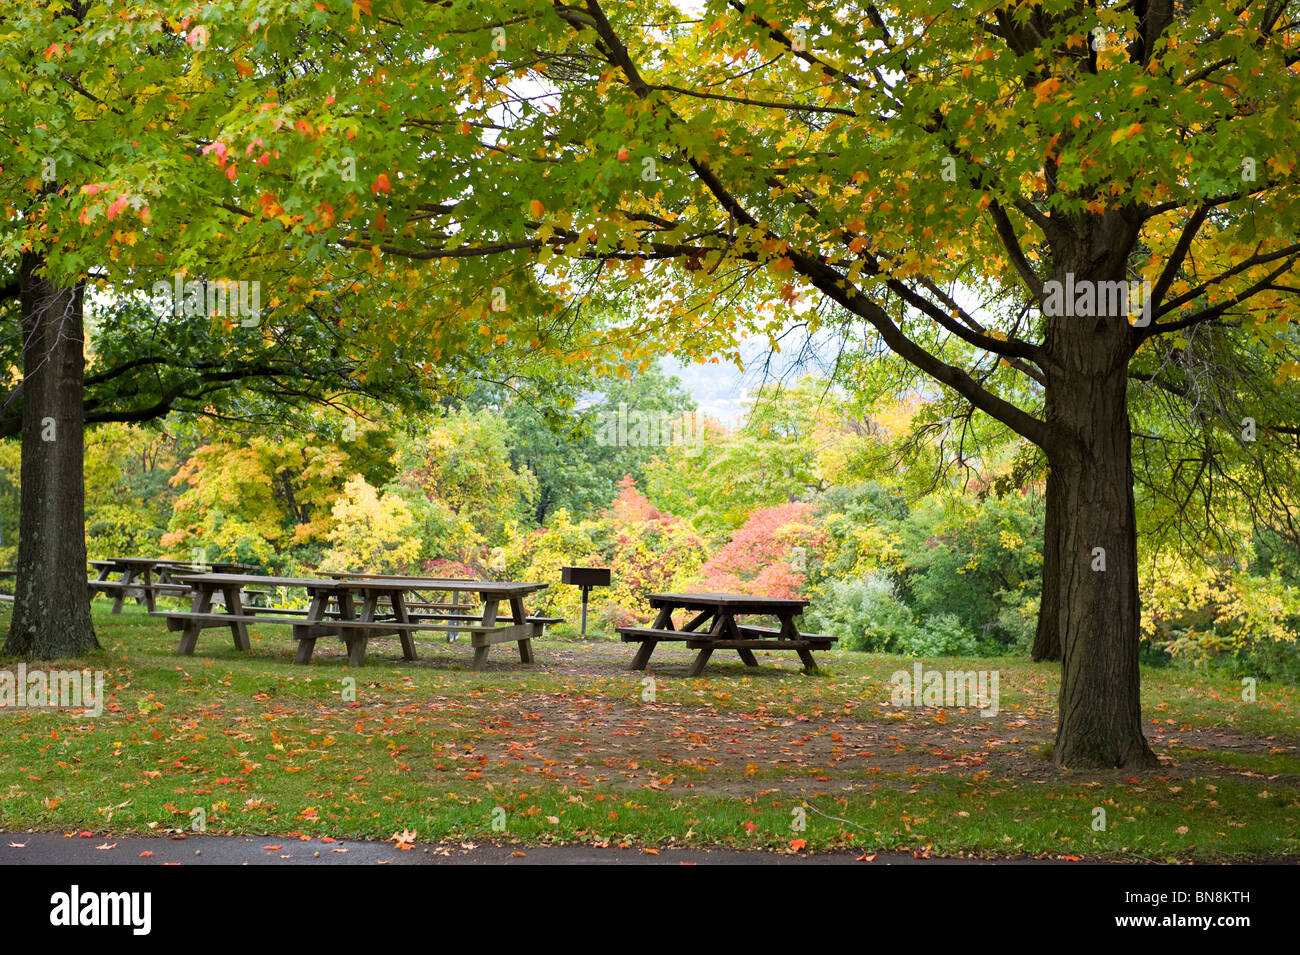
57	848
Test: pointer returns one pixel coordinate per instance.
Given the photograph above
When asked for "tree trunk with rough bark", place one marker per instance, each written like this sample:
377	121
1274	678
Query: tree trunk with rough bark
51	617
1096	605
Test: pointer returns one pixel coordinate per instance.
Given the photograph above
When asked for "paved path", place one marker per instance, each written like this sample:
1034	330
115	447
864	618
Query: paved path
57	848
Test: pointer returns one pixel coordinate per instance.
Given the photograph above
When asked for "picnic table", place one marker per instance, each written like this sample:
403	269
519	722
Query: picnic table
146	578
358	608
713	626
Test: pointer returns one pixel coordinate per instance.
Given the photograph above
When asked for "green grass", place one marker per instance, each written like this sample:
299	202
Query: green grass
571	752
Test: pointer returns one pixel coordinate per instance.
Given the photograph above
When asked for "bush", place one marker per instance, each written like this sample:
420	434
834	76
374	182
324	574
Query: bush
941	635
864	614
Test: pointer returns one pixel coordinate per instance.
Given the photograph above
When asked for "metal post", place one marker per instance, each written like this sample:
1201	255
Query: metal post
585	591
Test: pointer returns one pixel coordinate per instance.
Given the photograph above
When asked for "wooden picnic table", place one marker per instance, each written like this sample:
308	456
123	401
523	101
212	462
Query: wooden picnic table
713	626
358	608
146	578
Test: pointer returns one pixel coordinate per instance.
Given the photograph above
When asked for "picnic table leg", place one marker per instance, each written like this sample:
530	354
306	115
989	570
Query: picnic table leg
730	631
490	604
202	603
121	594
663	621
526	644
238	628
455	609
347	611
401	616
102	575
149	602
643	652
306	642
700	660
791	632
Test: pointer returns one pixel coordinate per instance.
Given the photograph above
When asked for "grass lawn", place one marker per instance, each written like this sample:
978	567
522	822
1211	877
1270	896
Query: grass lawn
571	750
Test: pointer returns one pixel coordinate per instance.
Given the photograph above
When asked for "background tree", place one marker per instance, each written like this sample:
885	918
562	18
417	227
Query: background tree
569	450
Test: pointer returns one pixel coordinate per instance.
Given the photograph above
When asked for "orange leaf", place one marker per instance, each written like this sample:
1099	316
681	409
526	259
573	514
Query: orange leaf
1046	90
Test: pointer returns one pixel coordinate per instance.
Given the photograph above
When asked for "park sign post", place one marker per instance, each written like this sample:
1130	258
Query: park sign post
586	578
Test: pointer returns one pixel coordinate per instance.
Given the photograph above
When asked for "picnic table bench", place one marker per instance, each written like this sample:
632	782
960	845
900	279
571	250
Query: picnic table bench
356	609
713	626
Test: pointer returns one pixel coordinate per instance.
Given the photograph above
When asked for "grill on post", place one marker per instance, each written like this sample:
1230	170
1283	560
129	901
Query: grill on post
586	578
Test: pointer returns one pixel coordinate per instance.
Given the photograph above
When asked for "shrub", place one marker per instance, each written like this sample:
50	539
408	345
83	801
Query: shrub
865	614
941	635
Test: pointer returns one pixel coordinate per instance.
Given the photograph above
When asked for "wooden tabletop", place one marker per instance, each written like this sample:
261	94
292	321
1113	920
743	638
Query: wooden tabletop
165	562
737	603
458	584
494	587
231	580
344	575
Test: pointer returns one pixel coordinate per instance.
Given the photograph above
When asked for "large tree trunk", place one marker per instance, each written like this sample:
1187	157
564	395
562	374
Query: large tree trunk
51	616
1047	638
1097	612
